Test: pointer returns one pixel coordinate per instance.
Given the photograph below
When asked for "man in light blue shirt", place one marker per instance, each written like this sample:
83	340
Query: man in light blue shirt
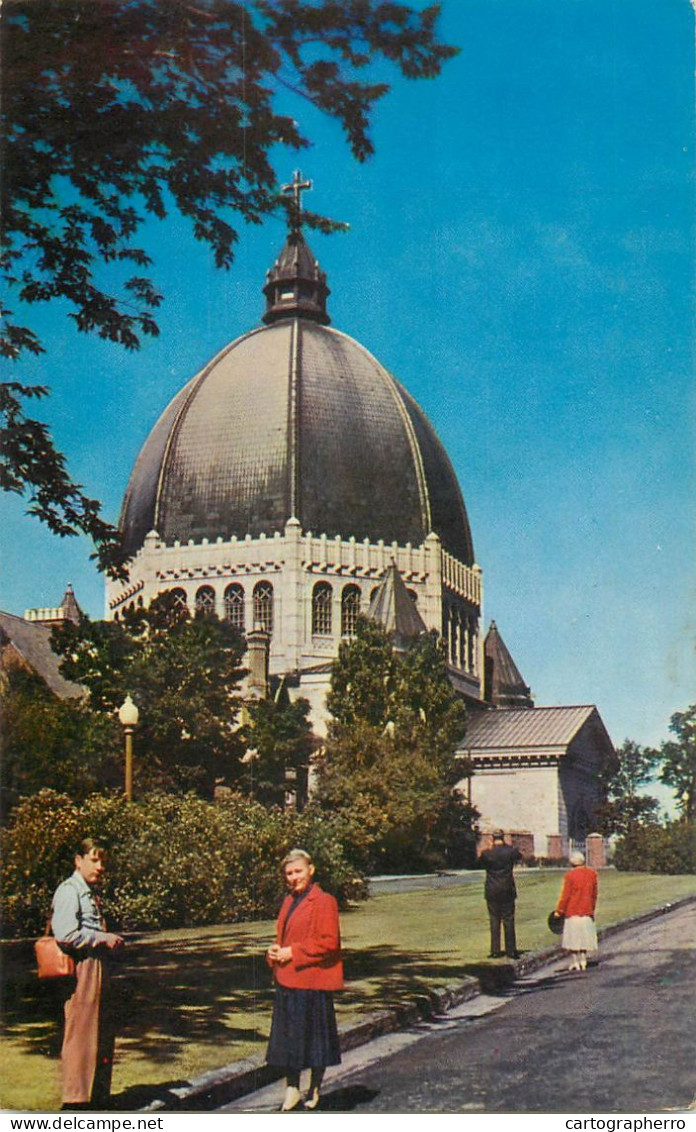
78	925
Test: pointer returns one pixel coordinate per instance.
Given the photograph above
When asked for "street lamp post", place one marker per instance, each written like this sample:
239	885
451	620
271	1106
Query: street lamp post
128	715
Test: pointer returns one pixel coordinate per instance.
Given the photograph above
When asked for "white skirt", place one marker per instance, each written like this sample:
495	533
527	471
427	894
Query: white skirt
579	934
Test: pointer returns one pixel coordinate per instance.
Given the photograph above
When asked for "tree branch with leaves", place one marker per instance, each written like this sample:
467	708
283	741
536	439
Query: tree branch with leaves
623	783
183	672
676	759
121	110
389	764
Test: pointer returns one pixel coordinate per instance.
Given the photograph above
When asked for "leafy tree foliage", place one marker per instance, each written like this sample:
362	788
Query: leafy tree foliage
395	796
175	860
117	110
373	686
632	769
677	761
362	680
280	742
654	848
389	763
182	673
31	463
49	742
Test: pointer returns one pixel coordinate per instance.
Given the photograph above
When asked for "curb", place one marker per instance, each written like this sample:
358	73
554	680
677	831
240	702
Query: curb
220	1086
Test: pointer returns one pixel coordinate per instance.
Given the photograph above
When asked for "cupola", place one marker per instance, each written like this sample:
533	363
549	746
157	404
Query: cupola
296	285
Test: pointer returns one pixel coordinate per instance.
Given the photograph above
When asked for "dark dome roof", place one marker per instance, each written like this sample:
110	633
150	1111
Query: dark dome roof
295	420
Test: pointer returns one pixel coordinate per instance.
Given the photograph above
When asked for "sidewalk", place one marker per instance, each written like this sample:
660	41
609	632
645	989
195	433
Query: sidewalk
220	1086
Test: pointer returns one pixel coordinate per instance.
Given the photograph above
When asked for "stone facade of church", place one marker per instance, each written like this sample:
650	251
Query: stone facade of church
537	773
306	592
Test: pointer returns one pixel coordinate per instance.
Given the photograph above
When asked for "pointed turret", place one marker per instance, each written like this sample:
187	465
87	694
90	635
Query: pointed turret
296	286
69	606
68	610
504	684
394	608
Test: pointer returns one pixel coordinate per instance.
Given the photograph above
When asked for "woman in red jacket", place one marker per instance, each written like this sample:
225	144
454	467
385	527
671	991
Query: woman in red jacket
307	968
577	904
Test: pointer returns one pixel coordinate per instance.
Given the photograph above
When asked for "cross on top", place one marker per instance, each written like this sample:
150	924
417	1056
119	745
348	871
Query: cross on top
296	187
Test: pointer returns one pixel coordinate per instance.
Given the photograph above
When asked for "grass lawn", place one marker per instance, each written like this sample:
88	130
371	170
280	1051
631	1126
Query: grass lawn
194	1000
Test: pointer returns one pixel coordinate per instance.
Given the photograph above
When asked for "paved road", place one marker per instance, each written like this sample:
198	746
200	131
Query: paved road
619	1038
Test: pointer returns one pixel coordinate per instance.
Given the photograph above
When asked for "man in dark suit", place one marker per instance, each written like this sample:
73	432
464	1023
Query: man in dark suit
500	893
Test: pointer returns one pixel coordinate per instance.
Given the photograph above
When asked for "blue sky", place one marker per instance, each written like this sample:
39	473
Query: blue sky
521	258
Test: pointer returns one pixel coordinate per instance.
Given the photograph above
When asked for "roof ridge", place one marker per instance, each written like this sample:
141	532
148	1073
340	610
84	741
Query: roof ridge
547	707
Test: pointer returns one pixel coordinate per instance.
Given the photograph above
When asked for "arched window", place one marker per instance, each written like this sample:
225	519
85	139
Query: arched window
350	608
449	632
263	606
234	606
321	609
455	627
473	631
205	600
179	599
464	644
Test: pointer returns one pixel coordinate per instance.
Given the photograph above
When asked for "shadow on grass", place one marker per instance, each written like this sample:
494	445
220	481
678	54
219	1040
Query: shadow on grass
397	978
167	995
212	991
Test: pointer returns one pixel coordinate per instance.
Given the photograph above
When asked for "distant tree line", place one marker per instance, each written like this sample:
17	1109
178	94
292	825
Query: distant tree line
631	814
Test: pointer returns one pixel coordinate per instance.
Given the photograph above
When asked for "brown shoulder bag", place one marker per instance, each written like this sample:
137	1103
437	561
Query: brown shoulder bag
52	963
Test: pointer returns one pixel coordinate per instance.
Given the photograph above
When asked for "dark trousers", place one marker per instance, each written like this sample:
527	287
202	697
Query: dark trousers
502	914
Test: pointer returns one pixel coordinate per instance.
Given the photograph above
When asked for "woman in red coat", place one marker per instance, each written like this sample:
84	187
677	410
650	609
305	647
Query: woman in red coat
577	904
307	968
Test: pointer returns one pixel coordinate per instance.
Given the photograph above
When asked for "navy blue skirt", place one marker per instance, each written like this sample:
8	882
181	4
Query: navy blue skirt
303	1030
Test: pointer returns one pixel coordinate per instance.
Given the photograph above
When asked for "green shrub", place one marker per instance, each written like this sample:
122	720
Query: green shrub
174	860
336	848
655	848
167	867
37	854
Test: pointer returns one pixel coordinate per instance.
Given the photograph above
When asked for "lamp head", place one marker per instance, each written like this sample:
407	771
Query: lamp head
128	713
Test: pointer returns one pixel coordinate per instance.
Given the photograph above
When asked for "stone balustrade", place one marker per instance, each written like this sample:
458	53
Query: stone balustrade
161	566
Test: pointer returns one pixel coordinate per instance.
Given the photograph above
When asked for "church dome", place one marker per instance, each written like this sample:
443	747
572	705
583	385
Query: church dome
295	420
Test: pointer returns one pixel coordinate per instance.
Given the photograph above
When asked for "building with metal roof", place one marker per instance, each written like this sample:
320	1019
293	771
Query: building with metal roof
537	771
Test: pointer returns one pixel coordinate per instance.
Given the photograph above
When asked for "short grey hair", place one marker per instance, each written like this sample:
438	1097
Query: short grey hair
296	855
577	858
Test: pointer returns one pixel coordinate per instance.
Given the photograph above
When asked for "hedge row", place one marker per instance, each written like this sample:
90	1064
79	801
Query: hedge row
174	860
655	848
